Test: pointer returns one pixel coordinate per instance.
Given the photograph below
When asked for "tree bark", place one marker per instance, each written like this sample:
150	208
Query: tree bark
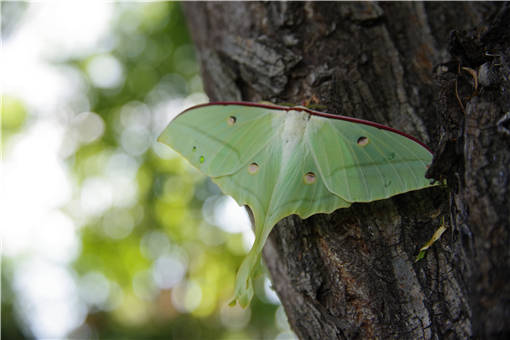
351	274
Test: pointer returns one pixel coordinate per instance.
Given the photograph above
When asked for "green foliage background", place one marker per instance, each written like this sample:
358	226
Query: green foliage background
159	63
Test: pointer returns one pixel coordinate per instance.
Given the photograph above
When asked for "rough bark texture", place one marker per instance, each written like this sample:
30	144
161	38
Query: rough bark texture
351	274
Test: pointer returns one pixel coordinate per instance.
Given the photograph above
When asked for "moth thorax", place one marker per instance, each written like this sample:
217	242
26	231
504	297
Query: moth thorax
293	131
294	126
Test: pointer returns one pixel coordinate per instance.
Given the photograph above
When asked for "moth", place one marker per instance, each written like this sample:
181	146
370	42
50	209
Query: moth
281	161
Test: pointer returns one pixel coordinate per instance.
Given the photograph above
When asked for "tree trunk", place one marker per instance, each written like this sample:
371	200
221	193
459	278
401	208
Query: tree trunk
351	274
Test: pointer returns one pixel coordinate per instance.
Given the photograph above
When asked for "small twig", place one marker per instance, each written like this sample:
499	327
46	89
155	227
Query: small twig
458	97
475	78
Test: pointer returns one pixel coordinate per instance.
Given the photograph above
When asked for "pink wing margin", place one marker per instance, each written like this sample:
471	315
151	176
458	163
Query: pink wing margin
313	113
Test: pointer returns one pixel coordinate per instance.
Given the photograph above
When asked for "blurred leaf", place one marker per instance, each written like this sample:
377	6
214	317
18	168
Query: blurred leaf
13	114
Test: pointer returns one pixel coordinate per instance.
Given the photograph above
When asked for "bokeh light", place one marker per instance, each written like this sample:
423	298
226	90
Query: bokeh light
105	71
106	232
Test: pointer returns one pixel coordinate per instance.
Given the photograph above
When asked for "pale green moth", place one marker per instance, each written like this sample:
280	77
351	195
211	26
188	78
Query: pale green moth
281	161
